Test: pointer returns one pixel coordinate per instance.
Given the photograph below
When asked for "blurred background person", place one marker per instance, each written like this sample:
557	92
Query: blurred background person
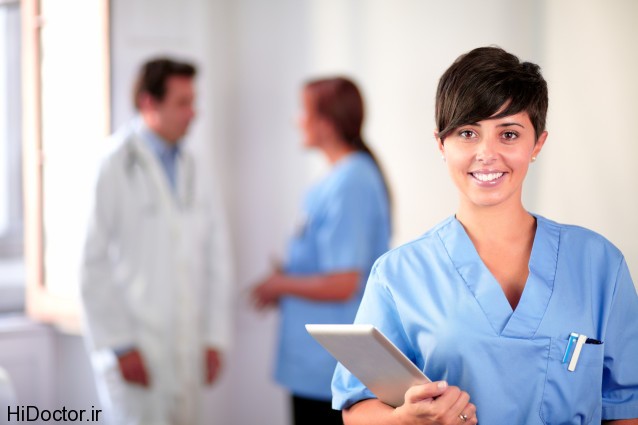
155	277
346	227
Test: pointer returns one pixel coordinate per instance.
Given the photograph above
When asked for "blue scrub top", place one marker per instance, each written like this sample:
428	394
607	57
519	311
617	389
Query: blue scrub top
346	228
438	302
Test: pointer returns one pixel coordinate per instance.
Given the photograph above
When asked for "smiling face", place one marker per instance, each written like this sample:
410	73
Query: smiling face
488	160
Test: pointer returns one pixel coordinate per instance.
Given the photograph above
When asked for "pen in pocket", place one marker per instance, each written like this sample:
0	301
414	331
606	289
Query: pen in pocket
576	354
576	341
572	338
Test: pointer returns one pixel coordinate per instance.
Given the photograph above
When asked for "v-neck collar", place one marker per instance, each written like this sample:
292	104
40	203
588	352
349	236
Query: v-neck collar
526	318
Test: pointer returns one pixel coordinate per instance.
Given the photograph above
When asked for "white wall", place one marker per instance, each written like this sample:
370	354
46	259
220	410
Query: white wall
587	172
269	56
254	56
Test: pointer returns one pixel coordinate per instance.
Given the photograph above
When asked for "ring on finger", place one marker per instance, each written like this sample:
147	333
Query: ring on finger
463	417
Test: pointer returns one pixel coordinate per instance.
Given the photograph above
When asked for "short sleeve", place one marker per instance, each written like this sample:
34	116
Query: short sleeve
620	373
377	308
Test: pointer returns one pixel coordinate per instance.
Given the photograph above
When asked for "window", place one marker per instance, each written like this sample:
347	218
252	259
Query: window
66	118
11	235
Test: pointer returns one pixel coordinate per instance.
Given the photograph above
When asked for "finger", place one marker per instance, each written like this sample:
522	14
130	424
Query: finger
427	391
447	398
468	415
460	409
461	401
467	419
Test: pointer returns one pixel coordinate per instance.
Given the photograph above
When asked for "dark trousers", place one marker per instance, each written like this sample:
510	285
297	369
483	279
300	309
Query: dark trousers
310	412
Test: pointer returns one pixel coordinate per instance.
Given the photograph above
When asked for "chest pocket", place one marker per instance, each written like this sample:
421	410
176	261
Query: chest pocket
573	397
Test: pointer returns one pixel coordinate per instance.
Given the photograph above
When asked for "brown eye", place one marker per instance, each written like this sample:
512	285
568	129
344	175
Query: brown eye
510	135
466	134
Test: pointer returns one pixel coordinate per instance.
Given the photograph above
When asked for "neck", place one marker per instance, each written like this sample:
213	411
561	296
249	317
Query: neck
336	150
156	128
502	223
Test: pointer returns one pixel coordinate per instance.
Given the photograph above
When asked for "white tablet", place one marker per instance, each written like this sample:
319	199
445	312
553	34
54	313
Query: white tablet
372	358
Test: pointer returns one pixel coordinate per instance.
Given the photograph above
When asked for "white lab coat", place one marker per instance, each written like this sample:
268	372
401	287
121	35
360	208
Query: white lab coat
155	275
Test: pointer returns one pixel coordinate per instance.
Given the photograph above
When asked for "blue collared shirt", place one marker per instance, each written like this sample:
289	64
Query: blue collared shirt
166	152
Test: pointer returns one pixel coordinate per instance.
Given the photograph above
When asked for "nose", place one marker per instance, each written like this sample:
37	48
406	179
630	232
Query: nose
486	150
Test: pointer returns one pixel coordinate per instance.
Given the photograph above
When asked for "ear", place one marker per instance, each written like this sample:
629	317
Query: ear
146	102
540	142
439	142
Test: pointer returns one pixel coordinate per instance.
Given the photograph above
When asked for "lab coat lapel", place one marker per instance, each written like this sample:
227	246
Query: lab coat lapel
157	176
185	181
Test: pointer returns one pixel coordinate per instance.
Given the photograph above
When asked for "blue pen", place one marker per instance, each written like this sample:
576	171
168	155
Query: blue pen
572	337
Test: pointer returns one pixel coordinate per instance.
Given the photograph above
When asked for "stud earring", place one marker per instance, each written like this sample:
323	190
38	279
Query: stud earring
443	158
533	159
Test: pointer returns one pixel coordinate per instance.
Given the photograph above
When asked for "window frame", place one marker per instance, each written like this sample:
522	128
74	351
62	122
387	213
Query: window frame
40	303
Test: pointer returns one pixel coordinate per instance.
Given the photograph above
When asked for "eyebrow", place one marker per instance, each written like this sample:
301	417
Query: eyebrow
507	124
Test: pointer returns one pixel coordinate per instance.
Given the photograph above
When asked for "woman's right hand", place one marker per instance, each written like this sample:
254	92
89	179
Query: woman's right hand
267	292
436	403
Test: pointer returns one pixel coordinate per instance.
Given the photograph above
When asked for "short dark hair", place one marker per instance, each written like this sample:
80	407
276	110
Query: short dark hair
154	73
481	82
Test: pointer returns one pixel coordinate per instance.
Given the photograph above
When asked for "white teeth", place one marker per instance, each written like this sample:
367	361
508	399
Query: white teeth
487	177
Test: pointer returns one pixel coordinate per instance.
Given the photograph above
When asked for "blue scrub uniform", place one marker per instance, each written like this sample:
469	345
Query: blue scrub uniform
347	228
438	302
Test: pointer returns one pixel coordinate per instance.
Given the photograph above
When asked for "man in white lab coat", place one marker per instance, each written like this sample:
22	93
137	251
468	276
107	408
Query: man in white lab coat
156	284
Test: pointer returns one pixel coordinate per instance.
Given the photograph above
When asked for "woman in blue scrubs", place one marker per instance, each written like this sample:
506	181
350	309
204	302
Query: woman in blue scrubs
534	321
347	227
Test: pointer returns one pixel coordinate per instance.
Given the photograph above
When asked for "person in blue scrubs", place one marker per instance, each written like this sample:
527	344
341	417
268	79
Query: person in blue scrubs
517	319
347	227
